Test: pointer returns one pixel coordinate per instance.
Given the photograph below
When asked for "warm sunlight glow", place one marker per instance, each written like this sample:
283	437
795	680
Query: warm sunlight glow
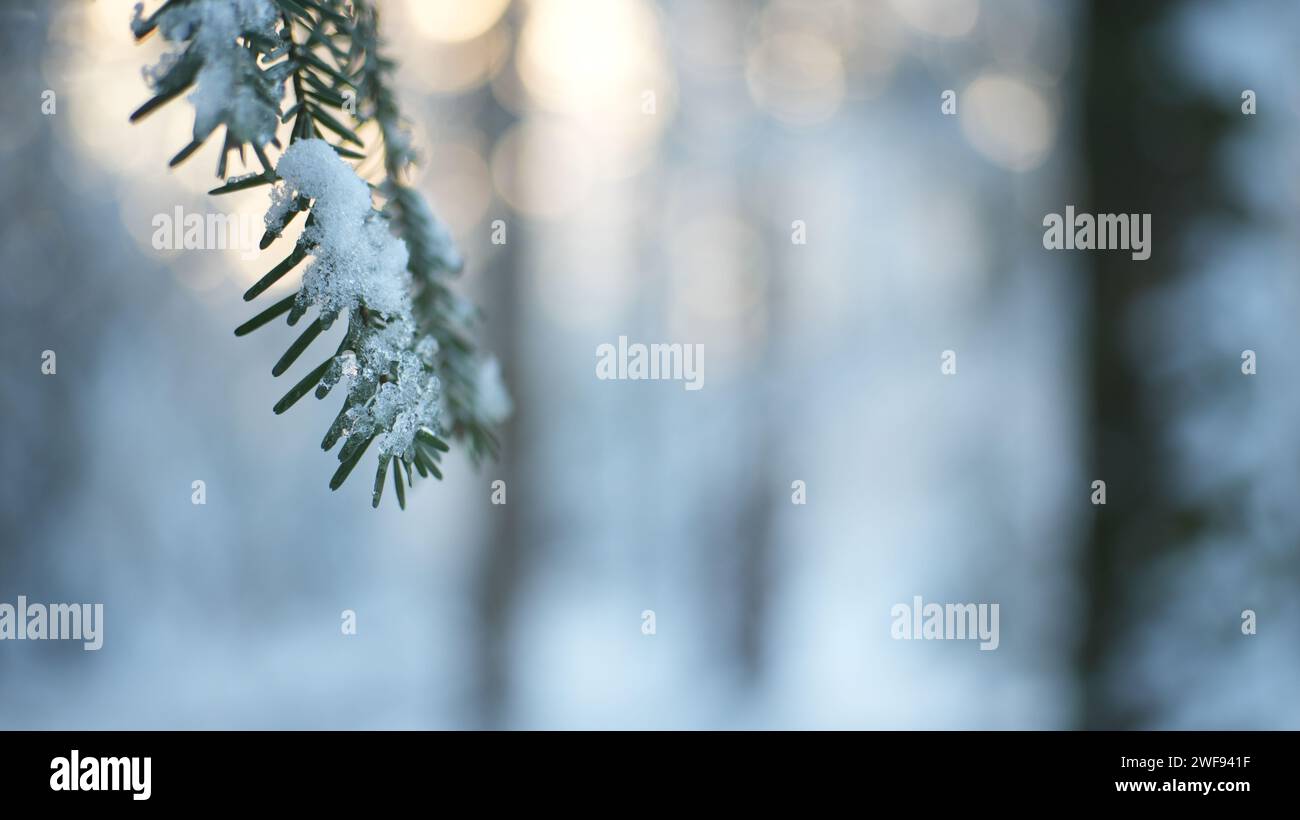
798	77
454	21
601	63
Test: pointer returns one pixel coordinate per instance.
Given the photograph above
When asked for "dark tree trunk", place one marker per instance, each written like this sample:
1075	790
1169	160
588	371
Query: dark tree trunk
1148	146
500	570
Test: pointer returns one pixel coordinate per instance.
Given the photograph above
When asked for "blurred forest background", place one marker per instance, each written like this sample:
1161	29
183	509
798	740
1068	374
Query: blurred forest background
822	365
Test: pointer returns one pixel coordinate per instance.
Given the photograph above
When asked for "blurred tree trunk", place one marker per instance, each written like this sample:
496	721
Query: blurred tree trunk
500	571
1148	146
52	237
756	518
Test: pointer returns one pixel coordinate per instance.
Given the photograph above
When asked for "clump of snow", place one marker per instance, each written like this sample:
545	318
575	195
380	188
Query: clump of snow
154	74
427	349
434	235
357	262
397	144
356	259
229	80
494	405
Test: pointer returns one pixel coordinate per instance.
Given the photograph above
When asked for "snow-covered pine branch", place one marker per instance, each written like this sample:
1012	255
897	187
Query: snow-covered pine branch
408	362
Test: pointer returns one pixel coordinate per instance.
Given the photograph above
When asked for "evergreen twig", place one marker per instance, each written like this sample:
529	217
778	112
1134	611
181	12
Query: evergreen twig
329	53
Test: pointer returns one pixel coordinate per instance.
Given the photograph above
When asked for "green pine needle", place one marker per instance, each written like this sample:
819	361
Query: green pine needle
317	50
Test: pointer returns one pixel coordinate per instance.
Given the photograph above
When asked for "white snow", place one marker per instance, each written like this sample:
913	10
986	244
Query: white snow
356	261
403	406
220	94
493	401
435	235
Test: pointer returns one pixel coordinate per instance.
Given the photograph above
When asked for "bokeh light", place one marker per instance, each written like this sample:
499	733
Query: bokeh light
947	19
1008	121
455	21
